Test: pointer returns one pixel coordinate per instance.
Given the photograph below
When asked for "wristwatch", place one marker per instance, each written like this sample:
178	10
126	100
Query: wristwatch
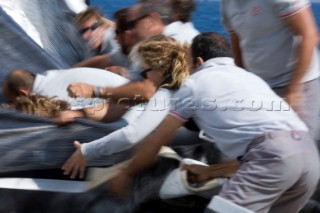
97	91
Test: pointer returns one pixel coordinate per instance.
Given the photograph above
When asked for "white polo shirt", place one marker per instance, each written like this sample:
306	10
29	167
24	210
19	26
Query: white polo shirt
232	106
109	43
269	48
182	32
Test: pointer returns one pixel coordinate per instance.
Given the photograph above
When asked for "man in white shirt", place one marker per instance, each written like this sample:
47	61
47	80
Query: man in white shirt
149	19
55	82
277	40
249	122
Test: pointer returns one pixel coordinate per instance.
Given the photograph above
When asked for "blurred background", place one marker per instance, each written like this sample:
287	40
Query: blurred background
206	17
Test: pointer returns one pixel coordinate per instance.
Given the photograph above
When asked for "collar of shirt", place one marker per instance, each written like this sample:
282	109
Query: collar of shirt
37	81
217	61
172	29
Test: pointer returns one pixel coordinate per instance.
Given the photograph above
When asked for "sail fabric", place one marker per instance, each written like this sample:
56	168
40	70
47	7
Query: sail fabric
30	143
63	45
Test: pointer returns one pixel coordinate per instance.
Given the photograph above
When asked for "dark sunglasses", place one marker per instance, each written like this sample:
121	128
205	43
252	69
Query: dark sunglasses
93	27
118	31
133	23
144	72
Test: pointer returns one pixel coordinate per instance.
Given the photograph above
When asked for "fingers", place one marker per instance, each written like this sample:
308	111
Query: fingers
192	178
72	89
67	167
195	173
76	164
75	90
74	172
77	144
80	90
191	168
82	171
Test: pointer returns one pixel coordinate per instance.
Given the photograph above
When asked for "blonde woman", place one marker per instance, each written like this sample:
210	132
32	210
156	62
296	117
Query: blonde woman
61	112
40	105
165	64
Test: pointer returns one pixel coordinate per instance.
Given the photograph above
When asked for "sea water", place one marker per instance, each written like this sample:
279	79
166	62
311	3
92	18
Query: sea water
205	18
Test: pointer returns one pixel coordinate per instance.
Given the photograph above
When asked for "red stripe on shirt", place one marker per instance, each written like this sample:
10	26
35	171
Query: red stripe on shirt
295	11
180	117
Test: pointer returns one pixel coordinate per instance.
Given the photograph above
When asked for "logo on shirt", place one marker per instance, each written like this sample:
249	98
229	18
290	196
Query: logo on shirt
256	10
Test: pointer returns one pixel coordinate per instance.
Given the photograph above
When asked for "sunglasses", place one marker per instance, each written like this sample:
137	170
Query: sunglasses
119	31
92	28
144	72
133	23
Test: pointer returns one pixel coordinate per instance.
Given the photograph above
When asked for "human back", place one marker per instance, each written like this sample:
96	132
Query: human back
234	115
56	82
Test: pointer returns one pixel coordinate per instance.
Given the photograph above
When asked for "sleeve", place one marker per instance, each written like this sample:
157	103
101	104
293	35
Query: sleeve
183	104
154	112
287	8
225	21
76	6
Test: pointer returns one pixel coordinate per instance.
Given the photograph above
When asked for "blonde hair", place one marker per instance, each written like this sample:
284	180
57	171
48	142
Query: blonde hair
39	105
84	16
167	56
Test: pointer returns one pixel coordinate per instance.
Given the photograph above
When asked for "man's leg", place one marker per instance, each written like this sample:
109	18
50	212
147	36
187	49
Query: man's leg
271	168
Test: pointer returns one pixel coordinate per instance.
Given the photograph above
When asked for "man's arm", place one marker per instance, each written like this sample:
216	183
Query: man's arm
146	154
100	61
198	173
236	50
303	25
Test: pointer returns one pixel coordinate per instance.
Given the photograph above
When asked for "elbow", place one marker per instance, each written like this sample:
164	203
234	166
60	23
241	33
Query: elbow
315	38
312	38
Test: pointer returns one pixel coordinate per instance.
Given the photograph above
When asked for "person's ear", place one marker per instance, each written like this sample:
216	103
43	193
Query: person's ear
199	61
154	17
24	92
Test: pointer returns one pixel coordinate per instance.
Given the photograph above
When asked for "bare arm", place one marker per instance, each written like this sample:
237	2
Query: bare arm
303	25
103	112
100	61
236	50
198	173
135	92
131	93
118	140
150	146
146	154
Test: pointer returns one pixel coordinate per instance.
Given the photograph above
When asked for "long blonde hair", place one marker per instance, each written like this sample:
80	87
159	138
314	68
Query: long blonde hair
39	105
167	56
